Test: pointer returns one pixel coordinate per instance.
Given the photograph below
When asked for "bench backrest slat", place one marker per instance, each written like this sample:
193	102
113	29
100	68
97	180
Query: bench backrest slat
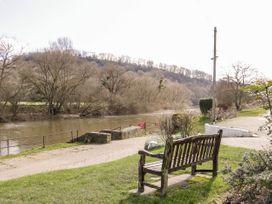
194	149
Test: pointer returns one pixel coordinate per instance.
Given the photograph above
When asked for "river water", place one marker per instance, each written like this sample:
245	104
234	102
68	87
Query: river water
15	137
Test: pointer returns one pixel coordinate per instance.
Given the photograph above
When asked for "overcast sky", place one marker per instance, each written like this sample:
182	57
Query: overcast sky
171	31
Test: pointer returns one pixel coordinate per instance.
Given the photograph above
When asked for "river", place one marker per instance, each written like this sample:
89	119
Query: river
25	135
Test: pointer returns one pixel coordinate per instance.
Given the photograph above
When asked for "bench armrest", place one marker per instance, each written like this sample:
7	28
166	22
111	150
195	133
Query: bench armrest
146	153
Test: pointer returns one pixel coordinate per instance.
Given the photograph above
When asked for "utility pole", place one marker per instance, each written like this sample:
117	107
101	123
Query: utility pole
214	76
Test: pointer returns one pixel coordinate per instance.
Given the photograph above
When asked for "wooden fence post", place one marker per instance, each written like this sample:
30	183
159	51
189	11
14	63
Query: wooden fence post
43	141
145	127
8	146
72	136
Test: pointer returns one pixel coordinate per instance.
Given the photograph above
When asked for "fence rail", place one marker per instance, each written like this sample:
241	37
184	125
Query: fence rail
39	140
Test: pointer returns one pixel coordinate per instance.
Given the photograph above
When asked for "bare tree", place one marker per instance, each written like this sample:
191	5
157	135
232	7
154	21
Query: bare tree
15	91
240	75
62	44
56	74
145	95
8	58
93	96
145	91
225	93
113	79
149	63
175	96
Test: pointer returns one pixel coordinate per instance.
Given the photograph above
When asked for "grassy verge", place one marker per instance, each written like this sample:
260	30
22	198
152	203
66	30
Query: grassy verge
41	149
199	126
201	122
110	183
251	112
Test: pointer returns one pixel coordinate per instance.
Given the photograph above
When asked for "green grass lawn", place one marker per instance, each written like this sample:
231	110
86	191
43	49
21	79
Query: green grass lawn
111	182
251	112
199	126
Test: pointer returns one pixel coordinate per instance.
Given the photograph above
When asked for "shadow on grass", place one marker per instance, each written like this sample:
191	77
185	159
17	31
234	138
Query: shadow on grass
198	190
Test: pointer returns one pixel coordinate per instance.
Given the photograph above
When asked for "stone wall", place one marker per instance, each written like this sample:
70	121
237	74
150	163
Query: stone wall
106	135
125	133
95	137
227	132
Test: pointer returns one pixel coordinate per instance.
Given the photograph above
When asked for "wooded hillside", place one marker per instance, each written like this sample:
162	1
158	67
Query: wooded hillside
67	81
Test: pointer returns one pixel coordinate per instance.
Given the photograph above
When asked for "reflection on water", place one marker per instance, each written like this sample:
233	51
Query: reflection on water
8	147
25	135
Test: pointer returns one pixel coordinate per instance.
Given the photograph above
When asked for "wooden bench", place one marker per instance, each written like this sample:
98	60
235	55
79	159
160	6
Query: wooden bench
180	154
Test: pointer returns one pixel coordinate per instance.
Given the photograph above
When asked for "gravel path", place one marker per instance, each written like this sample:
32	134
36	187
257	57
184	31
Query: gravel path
261	141
68	158
86	155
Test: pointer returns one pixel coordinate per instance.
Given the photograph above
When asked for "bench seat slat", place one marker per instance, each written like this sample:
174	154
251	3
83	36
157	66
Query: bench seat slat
156	166
177	147
180	154
188	153
183	154
206	146
154	170
153	164
212	147
201	150
188	165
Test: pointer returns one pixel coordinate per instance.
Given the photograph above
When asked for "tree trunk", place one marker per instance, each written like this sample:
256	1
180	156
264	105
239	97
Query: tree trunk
14	109
268	100
51	108
3	108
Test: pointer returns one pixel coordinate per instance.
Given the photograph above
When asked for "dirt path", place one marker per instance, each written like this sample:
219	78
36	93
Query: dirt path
250	123
68	158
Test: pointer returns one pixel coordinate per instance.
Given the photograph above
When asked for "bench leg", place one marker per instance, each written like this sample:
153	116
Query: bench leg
215	166
141	183
193	172
141	175
164	183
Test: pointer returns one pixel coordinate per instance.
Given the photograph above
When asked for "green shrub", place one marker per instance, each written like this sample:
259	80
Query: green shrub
184	123
205	105
252	181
